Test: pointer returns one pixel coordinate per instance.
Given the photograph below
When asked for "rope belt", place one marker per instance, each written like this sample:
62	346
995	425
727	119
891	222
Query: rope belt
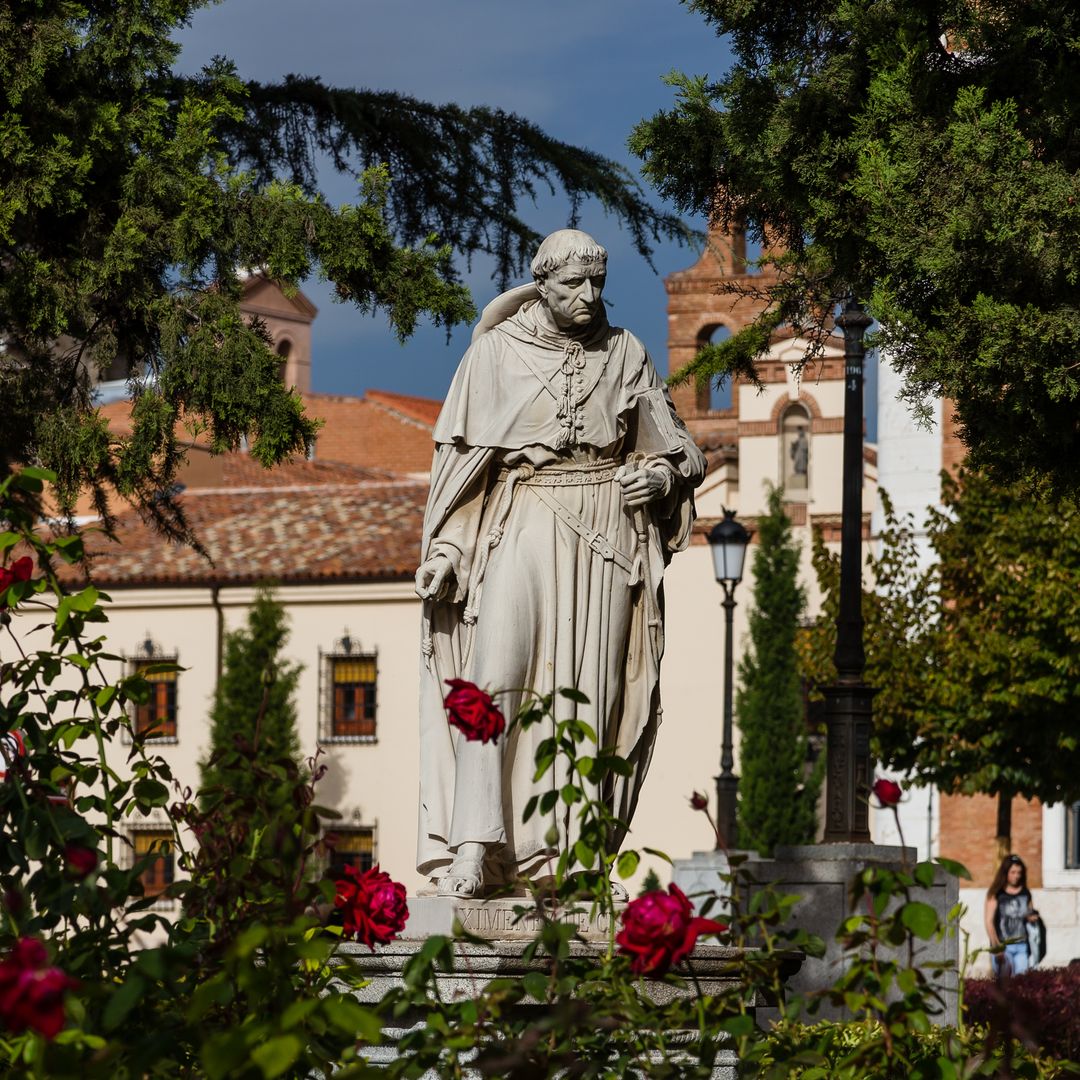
593	472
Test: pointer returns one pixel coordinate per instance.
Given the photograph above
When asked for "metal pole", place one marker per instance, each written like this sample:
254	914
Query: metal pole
727	783
848	704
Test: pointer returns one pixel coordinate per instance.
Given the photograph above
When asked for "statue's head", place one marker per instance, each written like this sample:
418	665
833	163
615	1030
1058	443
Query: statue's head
569	269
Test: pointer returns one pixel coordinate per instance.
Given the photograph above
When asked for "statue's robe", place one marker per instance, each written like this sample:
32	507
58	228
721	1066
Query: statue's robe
533	603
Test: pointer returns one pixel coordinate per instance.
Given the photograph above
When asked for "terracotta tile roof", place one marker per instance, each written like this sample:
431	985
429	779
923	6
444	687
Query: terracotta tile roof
380	430
242	470
424	410
285	532
361	431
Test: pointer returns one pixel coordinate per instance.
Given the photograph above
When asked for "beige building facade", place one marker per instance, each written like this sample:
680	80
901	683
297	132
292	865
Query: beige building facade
340	534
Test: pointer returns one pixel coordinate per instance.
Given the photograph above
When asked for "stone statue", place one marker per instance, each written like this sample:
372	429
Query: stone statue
562	482
800	453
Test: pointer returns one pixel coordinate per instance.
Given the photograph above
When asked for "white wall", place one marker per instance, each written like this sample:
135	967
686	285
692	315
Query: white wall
909	455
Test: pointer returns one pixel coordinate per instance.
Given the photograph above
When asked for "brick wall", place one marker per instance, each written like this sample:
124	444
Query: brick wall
968	835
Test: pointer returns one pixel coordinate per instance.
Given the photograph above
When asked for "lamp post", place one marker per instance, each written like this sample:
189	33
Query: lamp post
849	702
728	540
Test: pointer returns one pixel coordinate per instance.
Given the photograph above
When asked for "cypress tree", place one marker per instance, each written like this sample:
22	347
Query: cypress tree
778	801
253	721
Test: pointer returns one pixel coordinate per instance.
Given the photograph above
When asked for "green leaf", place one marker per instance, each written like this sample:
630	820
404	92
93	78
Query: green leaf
530	807
946	1069
739	1026
627	864
574	695
123	1001
348	1016
83	601
659	854
151	792
536	985
921	919
584	854
37	473
277	1055
924	874
951	866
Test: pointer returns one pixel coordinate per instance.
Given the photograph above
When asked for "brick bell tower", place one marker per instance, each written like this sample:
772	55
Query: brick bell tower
700	312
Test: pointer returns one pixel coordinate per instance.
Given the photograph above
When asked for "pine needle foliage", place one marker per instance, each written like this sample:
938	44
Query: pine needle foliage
254	713
921	155
134	201
777	795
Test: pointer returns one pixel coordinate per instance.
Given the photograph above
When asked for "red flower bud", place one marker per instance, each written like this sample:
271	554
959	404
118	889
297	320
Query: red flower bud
660	929
80	861
372	905
699	801
31	994
472	712
888	792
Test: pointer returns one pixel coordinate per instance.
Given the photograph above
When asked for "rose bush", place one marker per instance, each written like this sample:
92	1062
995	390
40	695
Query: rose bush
660	930
372	906
473	712
31	993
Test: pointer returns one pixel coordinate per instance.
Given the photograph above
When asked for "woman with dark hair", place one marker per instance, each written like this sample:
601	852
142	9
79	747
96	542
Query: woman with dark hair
1008	912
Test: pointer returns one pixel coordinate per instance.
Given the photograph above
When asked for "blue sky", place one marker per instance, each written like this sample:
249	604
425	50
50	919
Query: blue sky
584	70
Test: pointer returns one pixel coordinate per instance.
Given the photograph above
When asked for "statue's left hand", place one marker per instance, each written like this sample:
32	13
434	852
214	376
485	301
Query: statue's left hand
641	486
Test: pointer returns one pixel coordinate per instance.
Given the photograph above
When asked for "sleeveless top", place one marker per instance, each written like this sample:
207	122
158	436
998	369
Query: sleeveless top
1011	918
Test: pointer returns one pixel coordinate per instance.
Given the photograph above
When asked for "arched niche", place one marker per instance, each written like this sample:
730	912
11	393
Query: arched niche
795	448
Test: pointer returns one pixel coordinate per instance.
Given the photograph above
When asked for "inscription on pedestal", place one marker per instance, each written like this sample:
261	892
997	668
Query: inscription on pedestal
497	918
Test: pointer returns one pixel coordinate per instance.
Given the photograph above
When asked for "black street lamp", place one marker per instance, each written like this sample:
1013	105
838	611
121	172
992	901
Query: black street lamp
849	702
728	540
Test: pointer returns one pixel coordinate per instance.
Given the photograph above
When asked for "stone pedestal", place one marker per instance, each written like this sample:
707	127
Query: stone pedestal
821	875
501	956
499	919
707	873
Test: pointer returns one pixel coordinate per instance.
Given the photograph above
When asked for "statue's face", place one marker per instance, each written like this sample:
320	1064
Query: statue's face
572	294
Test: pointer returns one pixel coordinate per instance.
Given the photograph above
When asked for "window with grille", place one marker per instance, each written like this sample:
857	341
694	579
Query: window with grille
1072	837
161	868
156	717
353	846
349	709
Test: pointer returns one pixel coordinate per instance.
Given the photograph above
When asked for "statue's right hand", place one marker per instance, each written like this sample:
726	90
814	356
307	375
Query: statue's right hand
433	577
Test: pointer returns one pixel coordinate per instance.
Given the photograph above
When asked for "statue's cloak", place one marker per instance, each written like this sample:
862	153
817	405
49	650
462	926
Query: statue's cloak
555	585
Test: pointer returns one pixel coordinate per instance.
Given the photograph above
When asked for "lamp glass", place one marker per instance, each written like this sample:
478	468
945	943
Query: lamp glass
728	557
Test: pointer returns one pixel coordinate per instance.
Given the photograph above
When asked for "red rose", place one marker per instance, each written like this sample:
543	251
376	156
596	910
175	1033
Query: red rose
888	792
19	570
372	905
472	712
660	929
80	861
699	801
31	994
